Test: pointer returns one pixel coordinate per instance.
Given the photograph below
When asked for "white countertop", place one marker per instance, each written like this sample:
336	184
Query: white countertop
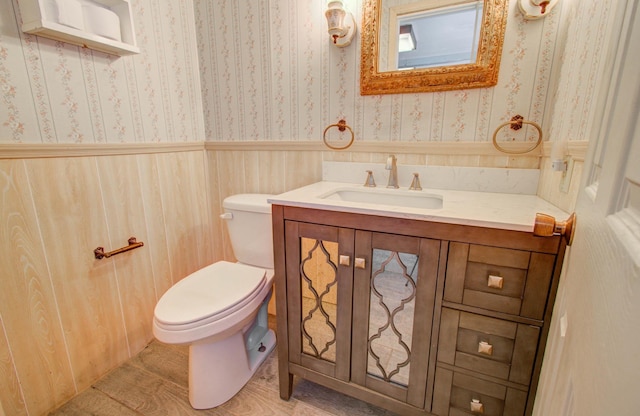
484	209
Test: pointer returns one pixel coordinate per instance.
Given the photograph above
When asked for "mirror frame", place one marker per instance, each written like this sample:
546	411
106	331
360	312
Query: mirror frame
482	73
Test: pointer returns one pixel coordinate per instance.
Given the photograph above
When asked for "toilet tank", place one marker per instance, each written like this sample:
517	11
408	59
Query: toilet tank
248	218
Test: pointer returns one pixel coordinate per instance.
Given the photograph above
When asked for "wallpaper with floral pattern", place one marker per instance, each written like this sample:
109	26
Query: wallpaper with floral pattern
265	70
269	72
54	92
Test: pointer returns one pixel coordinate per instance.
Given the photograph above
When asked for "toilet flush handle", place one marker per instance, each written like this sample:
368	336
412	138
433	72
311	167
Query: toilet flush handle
227	216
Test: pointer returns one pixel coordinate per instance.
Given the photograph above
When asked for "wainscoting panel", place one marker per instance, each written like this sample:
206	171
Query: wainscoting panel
151	195
68	318
32	346
182	179
121	190
73	221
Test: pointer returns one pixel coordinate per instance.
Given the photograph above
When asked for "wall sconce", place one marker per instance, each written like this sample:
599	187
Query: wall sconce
536	9
342	25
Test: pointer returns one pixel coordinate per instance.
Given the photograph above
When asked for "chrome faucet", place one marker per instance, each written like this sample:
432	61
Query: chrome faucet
392	167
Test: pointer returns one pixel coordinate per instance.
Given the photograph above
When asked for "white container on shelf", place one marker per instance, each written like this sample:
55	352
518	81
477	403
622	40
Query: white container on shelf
101	21
69	13
109	29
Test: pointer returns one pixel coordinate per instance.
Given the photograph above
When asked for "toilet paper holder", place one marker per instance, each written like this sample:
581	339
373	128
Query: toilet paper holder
100	253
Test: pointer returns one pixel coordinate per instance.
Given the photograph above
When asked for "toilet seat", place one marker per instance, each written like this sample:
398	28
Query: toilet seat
209	295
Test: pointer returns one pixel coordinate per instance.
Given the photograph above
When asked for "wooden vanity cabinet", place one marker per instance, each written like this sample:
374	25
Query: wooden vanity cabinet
417	317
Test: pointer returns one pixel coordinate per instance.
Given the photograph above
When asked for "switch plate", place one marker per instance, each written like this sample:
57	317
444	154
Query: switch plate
564	323
565	182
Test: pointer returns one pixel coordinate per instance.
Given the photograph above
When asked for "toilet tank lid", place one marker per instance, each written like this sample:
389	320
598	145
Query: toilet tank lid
248	202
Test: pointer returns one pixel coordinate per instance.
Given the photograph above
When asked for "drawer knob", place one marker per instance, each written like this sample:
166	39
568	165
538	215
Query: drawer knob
476	406
495	282
345	260
359	263
485	348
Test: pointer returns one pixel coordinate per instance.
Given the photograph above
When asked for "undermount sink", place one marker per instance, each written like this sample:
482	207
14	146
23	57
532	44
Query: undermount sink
384	196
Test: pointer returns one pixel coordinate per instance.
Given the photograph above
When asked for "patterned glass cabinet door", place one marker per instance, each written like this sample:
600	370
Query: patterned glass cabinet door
320	285
394	298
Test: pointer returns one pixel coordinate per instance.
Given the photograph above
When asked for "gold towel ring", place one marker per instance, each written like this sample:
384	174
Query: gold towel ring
516	123
342	126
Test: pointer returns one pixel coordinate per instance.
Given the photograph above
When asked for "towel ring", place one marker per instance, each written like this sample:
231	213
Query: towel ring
516	123
342	126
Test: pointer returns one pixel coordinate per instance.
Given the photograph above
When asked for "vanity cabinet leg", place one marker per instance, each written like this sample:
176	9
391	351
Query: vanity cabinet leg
286	385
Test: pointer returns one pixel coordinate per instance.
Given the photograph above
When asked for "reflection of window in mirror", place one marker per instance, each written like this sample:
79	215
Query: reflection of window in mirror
424	35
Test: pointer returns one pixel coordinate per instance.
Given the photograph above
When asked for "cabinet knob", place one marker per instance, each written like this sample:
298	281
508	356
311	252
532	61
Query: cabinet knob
477	406
495	282
359	263
485	348
344	260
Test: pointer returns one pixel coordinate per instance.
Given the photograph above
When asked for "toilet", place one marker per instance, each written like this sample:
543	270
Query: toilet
220	311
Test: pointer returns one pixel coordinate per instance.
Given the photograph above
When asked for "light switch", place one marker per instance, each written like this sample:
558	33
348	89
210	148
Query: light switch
564	323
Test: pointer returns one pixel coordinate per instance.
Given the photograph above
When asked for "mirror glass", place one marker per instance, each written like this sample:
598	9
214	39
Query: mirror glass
442	36
431	45
319	295
391	311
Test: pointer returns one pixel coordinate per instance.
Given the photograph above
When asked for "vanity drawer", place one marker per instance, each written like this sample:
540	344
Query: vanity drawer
499	279
457	394
498	348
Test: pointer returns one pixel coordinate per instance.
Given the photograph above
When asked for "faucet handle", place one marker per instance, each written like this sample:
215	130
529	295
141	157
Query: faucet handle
415	183
370	182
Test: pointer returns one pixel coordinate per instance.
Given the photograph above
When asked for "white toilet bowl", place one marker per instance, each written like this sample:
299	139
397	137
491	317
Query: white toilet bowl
220	311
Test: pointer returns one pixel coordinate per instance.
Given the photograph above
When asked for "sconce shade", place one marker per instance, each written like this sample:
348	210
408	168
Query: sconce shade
536	9
335	21
341	24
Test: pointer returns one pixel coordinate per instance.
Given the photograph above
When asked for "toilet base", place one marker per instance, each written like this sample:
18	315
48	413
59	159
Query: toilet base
217	371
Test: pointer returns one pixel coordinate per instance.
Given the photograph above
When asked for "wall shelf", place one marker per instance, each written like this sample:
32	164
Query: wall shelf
102	25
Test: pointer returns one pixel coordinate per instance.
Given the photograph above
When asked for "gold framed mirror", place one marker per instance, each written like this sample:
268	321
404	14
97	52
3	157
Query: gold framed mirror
381	25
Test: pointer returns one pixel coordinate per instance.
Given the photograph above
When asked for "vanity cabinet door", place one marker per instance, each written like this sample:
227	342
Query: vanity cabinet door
319	263
393	308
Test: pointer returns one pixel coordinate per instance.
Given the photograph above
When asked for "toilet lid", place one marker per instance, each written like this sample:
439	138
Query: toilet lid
212	290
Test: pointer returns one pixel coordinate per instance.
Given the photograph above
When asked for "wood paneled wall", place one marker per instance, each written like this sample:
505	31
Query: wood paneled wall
274	170
255	171
67	318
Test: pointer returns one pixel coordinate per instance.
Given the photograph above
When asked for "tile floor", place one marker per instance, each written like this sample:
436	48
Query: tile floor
155	383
